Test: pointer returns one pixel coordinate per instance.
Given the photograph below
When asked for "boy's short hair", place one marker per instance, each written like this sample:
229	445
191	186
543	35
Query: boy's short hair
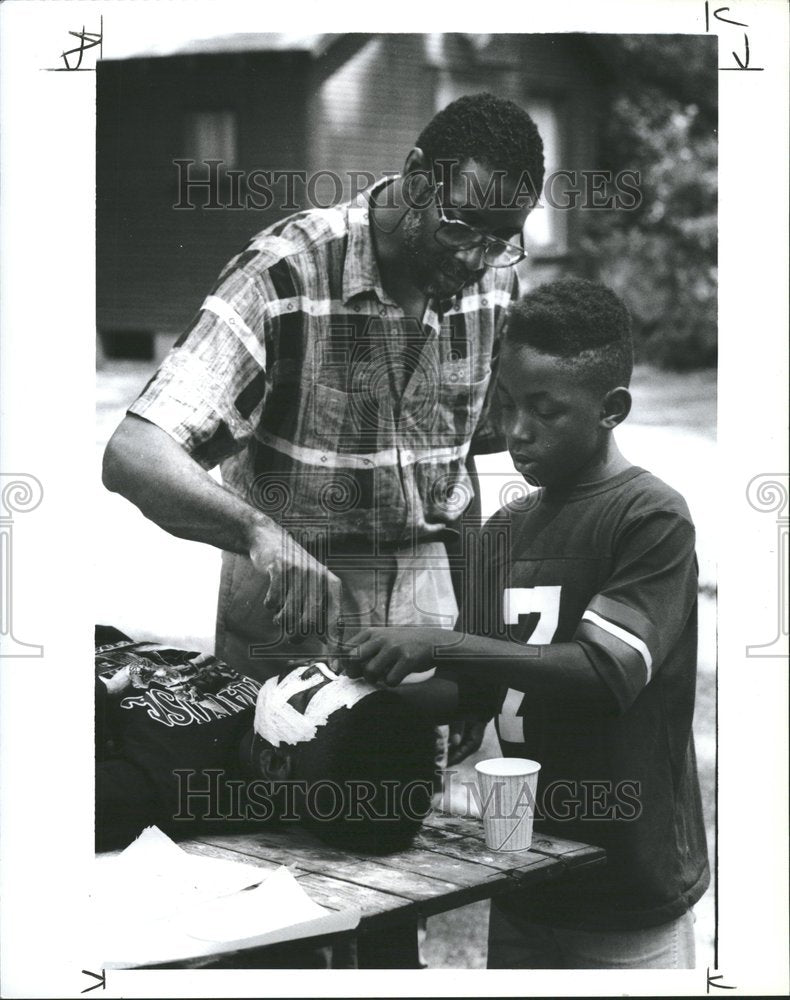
370	775
491	130
582	322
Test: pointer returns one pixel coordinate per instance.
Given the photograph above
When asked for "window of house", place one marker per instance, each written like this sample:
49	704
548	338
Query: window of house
212	135
546	225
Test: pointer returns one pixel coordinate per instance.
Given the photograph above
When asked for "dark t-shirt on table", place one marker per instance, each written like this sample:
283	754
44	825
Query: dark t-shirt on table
184	711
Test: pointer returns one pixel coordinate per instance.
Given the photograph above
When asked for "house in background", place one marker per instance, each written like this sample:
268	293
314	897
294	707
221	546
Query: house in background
313	105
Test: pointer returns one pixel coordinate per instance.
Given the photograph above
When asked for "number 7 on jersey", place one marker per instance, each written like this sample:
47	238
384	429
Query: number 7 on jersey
518	601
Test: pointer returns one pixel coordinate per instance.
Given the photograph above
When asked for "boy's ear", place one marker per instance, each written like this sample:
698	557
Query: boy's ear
616	407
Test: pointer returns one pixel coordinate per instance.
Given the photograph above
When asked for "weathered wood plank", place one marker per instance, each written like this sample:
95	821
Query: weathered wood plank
338	895
466	848
226	854
559	847
448	866
387	874
285	847
435	835
401	881
303	850
472	828
464	826
452	868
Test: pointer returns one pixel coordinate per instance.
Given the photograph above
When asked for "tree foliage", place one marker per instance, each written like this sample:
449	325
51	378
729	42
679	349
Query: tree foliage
661	119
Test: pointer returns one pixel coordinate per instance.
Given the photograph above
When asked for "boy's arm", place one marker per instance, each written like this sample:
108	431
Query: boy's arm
623	637
448	697
558	672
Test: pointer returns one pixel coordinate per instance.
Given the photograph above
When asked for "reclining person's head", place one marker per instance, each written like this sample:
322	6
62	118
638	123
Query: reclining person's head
361	761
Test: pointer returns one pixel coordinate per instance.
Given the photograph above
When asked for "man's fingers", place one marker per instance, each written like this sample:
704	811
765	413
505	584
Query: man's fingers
273	597
334	593
303	595
312	614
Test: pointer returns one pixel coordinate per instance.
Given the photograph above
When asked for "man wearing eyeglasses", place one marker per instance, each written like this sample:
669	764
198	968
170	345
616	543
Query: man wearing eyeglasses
339	374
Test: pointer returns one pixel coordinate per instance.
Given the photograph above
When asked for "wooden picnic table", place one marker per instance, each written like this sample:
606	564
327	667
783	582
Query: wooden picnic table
447	866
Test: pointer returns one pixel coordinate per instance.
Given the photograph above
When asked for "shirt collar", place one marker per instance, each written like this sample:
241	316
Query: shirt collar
360	270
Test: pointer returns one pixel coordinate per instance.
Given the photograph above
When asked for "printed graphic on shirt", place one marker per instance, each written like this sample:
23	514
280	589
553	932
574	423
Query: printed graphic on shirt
173	708
178	688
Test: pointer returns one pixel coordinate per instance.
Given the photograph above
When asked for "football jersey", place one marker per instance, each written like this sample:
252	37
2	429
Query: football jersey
609	566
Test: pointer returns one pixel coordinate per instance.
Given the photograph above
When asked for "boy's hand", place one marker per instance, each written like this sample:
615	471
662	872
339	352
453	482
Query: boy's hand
388	655
466	737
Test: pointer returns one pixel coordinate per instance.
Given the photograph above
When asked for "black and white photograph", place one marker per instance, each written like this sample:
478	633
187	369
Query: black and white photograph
412	453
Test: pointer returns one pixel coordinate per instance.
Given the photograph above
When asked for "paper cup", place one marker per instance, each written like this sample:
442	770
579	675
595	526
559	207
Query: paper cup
507	800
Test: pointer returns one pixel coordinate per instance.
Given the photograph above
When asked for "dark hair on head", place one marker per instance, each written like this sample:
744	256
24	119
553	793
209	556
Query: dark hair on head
495	132
370	775
582	322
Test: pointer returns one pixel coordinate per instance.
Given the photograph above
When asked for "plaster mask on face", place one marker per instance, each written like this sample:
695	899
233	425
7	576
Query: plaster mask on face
277	721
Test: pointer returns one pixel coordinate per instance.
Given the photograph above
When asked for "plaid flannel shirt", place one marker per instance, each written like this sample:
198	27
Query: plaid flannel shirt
320	398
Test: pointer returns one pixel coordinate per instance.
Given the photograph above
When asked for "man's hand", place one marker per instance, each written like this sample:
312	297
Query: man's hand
466	736
390	654
303	594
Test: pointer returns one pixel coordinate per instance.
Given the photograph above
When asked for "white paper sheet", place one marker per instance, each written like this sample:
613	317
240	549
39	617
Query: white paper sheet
156	903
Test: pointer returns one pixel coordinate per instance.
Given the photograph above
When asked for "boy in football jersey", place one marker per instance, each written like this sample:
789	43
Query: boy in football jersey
579	632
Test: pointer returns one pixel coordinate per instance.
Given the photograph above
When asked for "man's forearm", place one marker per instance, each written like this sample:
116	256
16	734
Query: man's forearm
145	465
155	473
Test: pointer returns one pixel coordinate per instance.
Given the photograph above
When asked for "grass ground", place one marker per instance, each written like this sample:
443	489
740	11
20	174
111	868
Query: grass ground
167	587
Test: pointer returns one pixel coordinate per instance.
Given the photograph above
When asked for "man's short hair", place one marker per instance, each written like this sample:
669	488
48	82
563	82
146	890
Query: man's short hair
582	322
495	132
370	774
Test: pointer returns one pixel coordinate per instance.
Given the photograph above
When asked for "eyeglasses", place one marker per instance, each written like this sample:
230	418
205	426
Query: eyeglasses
456	235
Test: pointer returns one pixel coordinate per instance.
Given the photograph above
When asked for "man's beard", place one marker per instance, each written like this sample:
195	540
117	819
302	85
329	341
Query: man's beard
432	272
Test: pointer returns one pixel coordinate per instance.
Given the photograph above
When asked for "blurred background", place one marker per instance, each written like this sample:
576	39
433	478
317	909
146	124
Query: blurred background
604	104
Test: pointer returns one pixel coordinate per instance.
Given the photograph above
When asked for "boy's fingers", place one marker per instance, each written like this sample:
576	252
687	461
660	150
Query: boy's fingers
366	651
377	666
351	668
397	673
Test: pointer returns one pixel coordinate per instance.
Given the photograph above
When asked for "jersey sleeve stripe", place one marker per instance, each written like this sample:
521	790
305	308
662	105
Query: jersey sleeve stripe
619	665
255	347
628	618
624	636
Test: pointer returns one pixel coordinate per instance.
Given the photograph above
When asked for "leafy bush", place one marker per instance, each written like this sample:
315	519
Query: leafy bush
661	256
